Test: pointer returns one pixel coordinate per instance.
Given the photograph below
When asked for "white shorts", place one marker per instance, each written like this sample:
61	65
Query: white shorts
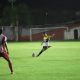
46	44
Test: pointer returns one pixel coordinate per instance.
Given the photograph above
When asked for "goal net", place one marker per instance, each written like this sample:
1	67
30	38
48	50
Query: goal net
36	33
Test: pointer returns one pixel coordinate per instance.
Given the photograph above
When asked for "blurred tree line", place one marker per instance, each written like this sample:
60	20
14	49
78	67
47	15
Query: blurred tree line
15	15
21	15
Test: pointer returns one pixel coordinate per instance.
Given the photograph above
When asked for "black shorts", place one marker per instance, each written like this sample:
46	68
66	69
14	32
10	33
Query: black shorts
45	47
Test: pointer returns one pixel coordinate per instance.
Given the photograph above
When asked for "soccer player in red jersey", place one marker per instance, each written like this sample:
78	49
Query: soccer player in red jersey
4	50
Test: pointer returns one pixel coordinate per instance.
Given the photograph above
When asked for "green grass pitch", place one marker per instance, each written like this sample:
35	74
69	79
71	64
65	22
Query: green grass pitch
60	62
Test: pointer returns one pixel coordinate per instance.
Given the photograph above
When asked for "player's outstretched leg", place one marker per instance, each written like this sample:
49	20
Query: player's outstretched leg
44	48
6	57
10	66
49	46
41	51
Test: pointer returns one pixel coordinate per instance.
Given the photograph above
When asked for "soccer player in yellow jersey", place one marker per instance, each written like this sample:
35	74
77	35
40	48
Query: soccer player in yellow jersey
45	42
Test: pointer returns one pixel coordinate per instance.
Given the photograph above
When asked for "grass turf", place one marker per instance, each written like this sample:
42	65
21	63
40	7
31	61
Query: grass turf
60	62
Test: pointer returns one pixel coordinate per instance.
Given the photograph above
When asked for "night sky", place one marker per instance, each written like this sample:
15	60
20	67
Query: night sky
51	4
58	11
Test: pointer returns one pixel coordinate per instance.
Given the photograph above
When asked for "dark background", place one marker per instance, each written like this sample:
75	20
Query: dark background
38	12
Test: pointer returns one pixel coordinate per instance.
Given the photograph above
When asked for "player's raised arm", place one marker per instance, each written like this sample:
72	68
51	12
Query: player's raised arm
51	36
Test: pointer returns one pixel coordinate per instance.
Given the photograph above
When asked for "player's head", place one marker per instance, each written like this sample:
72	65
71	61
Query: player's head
1	31
44	34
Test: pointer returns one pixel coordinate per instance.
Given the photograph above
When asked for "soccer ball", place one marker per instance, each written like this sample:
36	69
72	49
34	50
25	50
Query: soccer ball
33	54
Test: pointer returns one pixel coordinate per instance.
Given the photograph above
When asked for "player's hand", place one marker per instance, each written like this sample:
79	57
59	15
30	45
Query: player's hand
53	34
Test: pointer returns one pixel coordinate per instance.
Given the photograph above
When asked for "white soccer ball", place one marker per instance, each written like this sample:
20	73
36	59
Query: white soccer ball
33	54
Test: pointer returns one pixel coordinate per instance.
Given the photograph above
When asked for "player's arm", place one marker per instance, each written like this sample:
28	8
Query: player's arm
50	36
6	48
4	43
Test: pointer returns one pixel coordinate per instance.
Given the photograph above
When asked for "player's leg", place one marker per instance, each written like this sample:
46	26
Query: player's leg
49	46
6	57
43	49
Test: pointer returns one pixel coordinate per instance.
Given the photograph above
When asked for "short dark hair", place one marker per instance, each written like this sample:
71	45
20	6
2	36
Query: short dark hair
44	32
1	31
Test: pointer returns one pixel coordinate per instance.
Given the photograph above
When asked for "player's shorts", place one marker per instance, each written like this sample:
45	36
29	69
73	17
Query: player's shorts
46	44
45	47
3	53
